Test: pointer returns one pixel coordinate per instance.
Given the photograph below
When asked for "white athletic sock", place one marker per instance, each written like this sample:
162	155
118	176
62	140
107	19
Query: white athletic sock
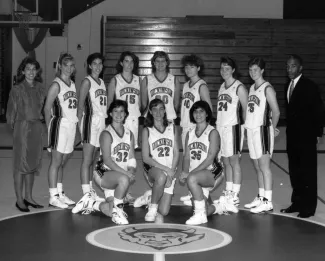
60	187
261	192
117	201
91	184
85	188
153	206
268	195
229	185
199	205
236	188
53	192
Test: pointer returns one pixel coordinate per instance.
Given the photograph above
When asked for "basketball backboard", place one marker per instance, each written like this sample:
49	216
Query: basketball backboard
37	13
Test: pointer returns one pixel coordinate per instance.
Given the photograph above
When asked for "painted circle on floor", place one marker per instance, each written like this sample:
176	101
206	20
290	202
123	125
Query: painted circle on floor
158	238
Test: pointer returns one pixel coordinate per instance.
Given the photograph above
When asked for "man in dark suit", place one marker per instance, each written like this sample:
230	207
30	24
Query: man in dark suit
304	126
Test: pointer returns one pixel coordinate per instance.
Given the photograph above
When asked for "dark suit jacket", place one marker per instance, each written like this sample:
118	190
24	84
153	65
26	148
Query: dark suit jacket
305	113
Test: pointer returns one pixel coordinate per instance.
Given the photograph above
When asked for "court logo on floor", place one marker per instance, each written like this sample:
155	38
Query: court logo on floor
158	238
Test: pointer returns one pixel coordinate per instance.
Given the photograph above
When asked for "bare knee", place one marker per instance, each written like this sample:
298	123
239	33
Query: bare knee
161	179
191	180
124	181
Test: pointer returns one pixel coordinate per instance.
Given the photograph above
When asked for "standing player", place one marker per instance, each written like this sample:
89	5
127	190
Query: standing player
116	167
160	155
161	85
232	102
262	117
61	119
200	169
194	90
92	111
125	85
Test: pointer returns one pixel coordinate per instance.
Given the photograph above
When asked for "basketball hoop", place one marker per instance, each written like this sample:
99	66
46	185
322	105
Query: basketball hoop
24	18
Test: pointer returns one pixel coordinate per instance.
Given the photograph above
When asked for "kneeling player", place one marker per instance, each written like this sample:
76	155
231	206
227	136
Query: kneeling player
160	155
200	169
116	168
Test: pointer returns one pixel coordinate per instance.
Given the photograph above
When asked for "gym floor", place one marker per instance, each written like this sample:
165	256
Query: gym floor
51	234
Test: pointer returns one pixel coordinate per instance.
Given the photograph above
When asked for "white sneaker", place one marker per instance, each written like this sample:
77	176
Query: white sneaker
151	214
187	203
128	199
65	199
119	217
143	200
265	206
224	194
255	203
186	198
56	202
159	218
233	198
85	204
199	217
223	206
95	196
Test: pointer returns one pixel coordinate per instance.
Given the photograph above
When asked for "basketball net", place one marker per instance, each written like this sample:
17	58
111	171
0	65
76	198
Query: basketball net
24	18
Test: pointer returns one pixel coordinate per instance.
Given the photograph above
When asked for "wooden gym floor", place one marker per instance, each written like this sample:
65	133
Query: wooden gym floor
51	234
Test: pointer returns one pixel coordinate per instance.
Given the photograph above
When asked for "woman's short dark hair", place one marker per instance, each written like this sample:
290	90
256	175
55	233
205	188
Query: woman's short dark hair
159	54
203	105
232	63
22	67
119	67
195	60
257	61
93	57
149	121
116	104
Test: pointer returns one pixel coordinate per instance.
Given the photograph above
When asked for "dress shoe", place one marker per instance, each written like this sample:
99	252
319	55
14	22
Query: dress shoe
27	203
305	214
290	209
22	209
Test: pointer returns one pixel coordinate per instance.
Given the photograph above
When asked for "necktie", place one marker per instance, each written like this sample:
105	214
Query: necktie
292	85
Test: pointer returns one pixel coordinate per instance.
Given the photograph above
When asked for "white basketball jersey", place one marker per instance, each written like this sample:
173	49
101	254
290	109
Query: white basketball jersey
228	113
258	110
164	91
120	147
199	147
66	103
189	97
96	101
161	145
129	92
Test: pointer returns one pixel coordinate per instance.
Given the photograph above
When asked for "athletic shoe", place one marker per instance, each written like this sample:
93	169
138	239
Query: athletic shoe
85	204
199	217
224	194
128	199
187	203
255	203
223	206
119	217
95	196
233	198
143	200
186	198
66	200
159	218
265	206
56	202
151	214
